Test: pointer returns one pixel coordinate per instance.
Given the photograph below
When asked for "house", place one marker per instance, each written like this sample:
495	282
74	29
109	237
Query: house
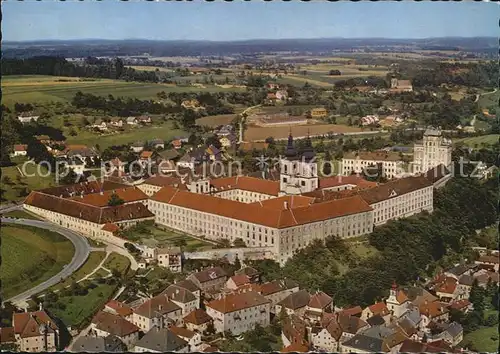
192	338
335	329
461	305
137	147
119	308
182	297
293	330
100	125
90	344
116	122
27	117
171	258
106	323
158	144
156	312
434	311
131	121
169	155
144	119
352	311
20	150
252	273
400	85
318	303
35	332
213	153
236	281
294	303
189	285
191	104
488	262
277	290
397	302
176	144
296	347
197	320
377	309
239	313
212	279
228	141
281	95
447	290
452	334
7	335
319	113
161	340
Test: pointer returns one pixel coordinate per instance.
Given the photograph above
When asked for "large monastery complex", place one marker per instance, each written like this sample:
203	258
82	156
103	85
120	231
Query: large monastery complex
283	215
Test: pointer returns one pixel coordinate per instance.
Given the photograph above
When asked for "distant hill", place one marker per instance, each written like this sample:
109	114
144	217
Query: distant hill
131	47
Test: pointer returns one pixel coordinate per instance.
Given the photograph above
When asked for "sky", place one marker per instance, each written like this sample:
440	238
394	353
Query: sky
240	20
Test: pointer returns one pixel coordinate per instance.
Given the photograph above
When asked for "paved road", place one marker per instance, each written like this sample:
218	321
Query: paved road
82	250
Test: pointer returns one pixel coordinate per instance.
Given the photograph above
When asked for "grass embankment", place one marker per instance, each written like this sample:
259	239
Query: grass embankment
30	256
118	262
20	214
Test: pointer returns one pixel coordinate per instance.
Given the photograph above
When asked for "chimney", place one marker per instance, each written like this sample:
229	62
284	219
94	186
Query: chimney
40	307
285	205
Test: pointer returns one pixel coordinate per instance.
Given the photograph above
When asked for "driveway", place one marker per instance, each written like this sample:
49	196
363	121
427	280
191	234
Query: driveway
82	251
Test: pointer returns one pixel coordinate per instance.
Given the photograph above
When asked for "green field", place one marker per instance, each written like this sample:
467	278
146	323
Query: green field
31	256
95	258
482	340
487	100
477	141
164	132
18	181
174	238
80	308
117	261
40	89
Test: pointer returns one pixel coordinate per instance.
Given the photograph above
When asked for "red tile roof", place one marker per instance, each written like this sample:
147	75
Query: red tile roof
296	347
240	279
320	300
146	155
114	324
182	332
336	181
27	324
448	286
399	186
7	335
20	147
379	308
236	302
246	183
353	311
373	156
119	307
162	181
111	227
197	317
460	304
256	214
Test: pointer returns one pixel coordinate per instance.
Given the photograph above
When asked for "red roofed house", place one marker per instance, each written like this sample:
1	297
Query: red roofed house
296	347
35	332
448	290
489	262
379	308
176	144
106	323
319	303
20	150
397	303
192	338
119	308
239	313
197	320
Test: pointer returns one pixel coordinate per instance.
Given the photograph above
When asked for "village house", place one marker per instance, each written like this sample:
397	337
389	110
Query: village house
91	344
239	313
131	121
161	340
170	258
490	262
119	308
252	273
432	151
211	279
294	303
463	305
157	143
277	290
100	124
144	119
20	150
433	311
116	122
105	324
228	141
183	298
293	330
192	338
176	144
397	302
197	320
452	334
156	312
35	332
137	147
318	304
236	281
377	309
400	85
192	287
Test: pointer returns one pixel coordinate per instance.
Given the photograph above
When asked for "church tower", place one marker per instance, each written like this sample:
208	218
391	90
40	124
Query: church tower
298	171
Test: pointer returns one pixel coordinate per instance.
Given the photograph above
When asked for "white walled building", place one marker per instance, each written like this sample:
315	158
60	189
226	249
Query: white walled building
432	151
389	162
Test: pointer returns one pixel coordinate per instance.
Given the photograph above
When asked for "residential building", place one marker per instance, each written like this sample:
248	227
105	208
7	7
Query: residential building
137	147
389	164
191	286
176	144
156	312
319	303
183	298
397	302
119	308
105	324
197	320
27	117
90	344
192	338
131	121
211	279
377	309
294	303
293	330
20	150
432	151
144	119
157	143
171	258
252	273
35	332
161	340
236	281
239	313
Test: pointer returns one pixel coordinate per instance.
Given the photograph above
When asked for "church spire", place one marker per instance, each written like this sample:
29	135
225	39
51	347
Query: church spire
290	151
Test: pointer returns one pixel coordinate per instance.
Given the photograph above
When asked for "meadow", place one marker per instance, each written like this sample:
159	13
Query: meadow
118	262
43	89
478	141
31	256
214	121
282	132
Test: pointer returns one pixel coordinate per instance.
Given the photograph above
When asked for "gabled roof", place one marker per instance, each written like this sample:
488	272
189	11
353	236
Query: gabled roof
68	191
188	284
350	324
240	279
294	328
399	186
373	156
197	317
27	324
296	347
120	308
179	294
379	308
209	274
249	271
237	302
20	147
320	300
128	195
7	335
296	300
90	344
114	324
161	340
182	332
155	307
246	183
460	304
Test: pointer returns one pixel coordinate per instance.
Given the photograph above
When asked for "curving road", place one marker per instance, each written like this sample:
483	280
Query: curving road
82	251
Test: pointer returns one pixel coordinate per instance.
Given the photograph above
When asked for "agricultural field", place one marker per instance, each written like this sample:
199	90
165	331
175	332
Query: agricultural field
150	68
42	89
478	141
14	179
48	253
165	132
261	133
214	121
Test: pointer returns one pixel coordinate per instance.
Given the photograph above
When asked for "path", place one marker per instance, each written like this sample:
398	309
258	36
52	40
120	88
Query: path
82	251
484	94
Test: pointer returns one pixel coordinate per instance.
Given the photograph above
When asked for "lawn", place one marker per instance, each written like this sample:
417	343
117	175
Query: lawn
117	261
487	99
80	308
17	179
39	88
476	141
164	132
171	237
282	132
482	340
100	273
30	256
20	214
95	258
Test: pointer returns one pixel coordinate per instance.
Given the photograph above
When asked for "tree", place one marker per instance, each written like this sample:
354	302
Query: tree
115	200
238	242
334	72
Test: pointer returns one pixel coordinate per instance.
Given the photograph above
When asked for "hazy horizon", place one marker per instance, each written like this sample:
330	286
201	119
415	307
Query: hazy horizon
29	21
